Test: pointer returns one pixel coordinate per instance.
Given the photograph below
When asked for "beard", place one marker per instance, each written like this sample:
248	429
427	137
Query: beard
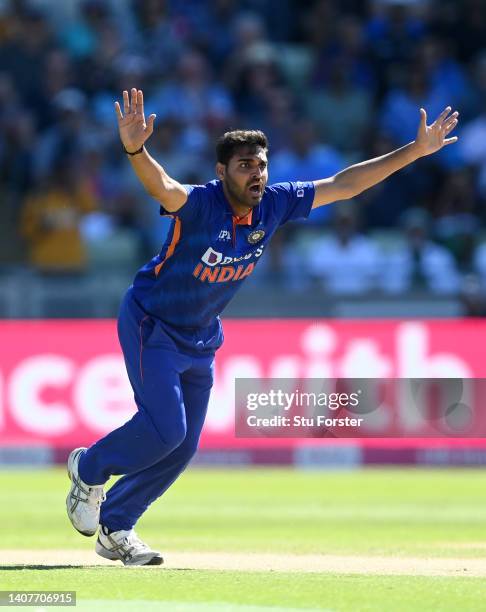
243	195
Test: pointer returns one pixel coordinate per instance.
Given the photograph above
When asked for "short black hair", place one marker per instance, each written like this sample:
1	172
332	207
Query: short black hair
230	142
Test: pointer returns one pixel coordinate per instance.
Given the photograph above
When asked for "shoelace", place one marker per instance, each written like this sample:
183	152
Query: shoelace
129	539
96	497
134	539
126	545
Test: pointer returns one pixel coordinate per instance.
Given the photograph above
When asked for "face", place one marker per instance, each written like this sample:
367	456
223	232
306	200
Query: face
245	176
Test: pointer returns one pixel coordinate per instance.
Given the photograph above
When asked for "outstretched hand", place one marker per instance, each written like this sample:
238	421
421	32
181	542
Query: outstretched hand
431	138
134	131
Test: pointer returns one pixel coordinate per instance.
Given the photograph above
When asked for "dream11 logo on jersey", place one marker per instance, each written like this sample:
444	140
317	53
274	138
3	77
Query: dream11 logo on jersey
215	267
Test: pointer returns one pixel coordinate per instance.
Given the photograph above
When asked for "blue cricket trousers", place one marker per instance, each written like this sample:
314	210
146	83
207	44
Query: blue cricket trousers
171	375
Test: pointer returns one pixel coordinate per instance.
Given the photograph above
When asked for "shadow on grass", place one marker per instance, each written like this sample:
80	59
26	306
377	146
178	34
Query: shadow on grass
46	567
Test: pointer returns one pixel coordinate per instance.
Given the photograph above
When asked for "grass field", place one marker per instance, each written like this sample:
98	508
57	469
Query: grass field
255	540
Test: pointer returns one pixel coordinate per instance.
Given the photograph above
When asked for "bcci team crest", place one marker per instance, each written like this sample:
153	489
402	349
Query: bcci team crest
256	236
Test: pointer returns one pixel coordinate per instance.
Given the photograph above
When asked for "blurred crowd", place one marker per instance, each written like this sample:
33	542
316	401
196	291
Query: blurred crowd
331	82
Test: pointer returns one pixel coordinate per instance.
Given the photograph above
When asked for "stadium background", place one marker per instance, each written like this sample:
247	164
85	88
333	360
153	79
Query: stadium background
331	83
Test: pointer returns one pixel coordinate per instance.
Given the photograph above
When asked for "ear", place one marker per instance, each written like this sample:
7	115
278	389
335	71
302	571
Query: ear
220	171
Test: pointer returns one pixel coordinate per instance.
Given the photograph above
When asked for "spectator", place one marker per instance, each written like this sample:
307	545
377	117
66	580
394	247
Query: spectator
419	263
81	38
479	265
345	46
16	162
16	155
341	111
212	27
258	81
318	23
250	37
126	71
462	25
58	71
400	107
23	56
306	159
384	204
194	99
444	73
456	221
167	144
345	262
279	15
11	102
472	144
473	297
392	33
65	137
281	112
159	38
100	70
50	221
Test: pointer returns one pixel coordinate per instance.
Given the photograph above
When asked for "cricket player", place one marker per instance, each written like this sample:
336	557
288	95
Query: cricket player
169	326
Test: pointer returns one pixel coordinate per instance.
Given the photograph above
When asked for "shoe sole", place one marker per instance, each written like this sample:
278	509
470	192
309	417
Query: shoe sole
72	456
102	551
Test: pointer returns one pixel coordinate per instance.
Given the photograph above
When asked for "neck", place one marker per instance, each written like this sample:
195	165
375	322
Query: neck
239	209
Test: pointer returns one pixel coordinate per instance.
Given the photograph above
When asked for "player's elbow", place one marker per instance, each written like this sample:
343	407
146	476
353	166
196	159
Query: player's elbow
171	195
343	188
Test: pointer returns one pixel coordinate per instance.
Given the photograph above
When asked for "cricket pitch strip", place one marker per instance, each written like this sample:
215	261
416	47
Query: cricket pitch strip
258	562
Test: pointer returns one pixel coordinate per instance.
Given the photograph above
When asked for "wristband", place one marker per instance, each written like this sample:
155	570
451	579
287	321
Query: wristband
134	152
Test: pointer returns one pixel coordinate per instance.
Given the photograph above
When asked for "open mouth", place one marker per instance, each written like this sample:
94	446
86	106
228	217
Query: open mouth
255	189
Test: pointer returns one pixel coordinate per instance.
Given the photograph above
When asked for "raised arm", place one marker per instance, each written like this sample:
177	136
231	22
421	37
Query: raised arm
353	180
134	132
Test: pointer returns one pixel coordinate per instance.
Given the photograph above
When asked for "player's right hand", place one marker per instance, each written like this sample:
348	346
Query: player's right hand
134	131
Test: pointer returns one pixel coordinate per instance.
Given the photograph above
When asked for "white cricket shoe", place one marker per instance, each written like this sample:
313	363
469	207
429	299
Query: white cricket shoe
83	501
127	547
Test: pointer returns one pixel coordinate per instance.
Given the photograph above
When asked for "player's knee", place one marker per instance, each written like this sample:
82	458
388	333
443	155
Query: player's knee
175	436
189	447
192	447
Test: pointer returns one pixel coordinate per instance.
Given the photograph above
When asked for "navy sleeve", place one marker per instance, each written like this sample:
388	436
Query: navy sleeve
293	200
191	209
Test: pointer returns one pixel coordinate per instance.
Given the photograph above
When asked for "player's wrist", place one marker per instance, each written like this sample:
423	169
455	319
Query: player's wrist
131	152
417	150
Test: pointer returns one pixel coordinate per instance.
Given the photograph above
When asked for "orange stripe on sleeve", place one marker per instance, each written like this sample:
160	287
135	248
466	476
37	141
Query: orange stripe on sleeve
175	239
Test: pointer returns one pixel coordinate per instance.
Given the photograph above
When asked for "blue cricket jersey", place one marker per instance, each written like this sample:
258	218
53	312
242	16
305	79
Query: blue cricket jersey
209	252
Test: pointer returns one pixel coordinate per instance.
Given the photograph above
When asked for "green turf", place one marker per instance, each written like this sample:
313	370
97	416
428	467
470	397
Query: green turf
311	591
373	512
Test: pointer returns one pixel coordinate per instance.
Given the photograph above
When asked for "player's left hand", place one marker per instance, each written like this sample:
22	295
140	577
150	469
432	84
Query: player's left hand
431	138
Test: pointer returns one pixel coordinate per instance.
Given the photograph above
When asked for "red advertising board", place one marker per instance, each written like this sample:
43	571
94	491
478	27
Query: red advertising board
63	383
